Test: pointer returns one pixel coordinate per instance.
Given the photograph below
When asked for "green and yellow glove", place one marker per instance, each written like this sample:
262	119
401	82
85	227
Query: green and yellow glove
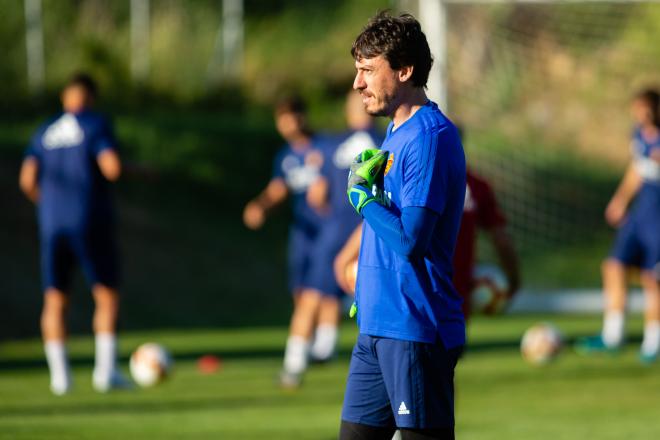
366	169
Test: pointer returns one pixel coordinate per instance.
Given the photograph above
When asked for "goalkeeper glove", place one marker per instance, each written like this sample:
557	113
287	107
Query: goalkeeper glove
366	169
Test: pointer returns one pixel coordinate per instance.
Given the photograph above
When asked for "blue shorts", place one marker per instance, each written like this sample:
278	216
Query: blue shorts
321	274
94	249
405	384
300	252
638	243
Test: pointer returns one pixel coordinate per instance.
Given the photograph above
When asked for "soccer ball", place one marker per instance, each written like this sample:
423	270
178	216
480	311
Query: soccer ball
150	364
489	293
541	343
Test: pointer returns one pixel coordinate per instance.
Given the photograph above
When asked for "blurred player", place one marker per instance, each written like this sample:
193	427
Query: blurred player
481	212
328	195
67	171
638	238
295	168
411	325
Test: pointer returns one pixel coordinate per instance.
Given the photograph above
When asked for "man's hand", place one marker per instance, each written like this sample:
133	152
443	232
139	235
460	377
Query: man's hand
615	212
367	167
359	197
254	215
109	164
28	179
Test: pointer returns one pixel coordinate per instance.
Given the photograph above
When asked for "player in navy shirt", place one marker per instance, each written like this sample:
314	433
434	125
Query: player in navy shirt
411	327
68	169
328	196
638	239
295	168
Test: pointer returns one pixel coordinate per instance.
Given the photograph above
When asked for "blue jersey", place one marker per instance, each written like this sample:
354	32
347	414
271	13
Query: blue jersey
338	154
299	169
413	299
73	194
642	148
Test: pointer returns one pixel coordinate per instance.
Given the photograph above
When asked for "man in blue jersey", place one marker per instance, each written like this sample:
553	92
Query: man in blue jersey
295	168
409	315
328	196
638	239
68	169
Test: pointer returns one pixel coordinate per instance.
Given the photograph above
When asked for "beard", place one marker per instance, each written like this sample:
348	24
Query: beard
381	106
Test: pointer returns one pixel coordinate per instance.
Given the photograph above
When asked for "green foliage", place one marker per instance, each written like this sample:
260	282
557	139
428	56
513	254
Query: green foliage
299	45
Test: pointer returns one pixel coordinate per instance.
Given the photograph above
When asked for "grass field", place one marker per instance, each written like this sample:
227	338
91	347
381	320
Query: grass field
499	396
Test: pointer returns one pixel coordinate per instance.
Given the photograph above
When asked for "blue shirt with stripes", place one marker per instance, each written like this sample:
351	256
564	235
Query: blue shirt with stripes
411	297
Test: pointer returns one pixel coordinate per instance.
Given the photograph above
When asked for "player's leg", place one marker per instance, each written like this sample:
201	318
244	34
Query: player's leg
650	279
428	434
366	412
106	312
615	291
357	431
614	276
296	355
56	266
97	251
625	252
322	277
326	333
53	329
651	342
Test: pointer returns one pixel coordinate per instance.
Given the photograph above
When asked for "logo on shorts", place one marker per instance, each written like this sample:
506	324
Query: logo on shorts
403	410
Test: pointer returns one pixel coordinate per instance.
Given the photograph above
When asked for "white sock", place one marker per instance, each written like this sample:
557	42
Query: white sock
325	341
295	355
105	357
651	342
58	364
613	323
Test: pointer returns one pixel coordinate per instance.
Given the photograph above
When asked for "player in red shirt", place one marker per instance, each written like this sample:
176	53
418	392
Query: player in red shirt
481	212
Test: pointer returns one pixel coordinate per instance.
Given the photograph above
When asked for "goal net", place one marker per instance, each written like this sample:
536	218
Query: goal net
543	92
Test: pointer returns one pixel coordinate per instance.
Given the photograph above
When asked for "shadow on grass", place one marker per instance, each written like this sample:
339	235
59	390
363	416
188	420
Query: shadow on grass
343	354
82	361
141	407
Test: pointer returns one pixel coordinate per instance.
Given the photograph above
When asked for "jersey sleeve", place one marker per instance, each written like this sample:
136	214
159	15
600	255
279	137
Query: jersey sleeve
278	172
426	172
105	138
326	169
488	213
33	148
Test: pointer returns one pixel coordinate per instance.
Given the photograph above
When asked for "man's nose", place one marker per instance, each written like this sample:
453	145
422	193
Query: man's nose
358	83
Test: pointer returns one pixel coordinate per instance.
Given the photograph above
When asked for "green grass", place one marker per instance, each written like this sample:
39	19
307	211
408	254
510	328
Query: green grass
499	396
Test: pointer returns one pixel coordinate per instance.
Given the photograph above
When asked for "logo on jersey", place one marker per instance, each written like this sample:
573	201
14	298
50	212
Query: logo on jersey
390	161
63	133
403	410
299	176
351	147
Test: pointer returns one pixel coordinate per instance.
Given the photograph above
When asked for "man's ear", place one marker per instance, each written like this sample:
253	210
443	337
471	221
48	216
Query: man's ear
405	73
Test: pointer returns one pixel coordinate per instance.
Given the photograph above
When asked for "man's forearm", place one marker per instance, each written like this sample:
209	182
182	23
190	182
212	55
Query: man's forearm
408	235
507	257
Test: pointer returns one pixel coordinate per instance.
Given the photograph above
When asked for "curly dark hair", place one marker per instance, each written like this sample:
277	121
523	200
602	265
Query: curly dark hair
291	104
84	80
652	99
400	40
